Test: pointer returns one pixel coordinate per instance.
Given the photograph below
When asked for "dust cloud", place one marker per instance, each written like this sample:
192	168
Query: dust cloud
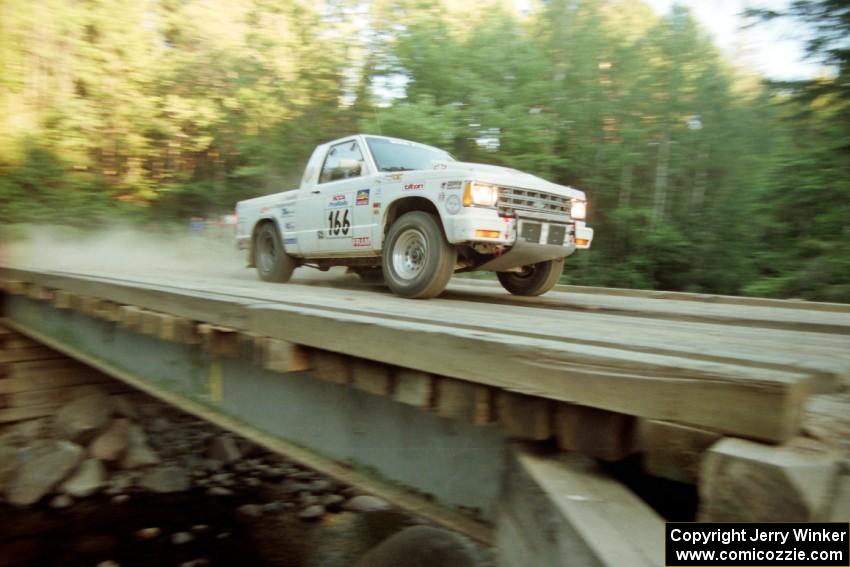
144	251
122	249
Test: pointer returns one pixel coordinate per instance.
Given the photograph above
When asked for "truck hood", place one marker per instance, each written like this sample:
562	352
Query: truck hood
507	176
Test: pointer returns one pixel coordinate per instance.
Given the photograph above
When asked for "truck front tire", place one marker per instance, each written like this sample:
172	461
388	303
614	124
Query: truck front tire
535	279
272	261
418	261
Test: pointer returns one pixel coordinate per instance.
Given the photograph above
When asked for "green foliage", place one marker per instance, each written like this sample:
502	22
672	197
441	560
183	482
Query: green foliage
701	177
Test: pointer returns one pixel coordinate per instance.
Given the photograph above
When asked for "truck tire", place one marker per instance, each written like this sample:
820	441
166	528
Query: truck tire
418	261
535	279
272	261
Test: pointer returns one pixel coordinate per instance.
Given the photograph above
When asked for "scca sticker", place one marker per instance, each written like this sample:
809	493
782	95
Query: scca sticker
338	200
413	186
362	197
451	184
289	226
361	241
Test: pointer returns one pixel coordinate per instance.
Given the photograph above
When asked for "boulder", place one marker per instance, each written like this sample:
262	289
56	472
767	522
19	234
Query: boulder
121	405
333	502
421	546
88	479
61	501
138	452
38	476
148	533
24	432
312	513
321	486
365	503
224	449
250	511
339	540
81	418
110	444
164	479
181	538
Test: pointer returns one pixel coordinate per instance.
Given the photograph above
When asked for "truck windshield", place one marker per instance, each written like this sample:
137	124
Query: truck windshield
398	155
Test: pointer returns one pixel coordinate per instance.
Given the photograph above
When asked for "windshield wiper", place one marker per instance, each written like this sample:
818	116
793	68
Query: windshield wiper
396	168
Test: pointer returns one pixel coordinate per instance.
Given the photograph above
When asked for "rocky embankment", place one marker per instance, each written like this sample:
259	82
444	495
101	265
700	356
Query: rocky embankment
156	486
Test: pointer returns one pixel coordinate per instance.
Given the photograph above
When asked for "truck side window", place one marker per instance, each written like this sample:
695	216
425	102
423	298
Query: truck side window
343	161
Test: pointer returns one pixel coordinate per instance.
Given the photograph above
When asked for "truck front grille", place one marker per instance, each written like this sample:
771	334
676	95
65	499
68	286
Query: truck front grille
513	200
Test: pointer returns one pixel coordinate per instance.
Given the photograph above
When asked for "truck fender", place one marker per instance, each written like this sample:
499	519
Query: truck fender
405	204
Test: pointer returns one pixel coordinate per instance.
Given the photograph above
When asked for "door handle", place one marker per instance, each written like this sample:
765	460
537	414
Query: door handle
316	191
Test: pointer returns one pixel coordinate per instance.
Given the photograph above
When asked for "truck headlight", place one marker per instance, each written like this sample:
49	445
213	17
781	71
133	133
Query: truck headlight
480	194
578	209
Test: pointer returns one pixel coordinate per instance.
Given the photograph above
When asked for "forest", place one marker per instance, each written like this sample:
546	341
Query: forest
702	175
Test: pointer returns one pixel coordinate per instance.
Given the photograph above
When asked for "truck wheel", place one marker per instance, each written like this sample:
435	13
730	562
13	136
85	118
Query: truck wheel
535	279
418	261
272	261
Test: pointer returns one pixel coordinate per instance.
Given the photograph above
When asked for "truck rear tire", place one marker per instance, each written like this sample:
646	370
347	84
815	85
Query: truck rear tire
535	279
418	261
272	261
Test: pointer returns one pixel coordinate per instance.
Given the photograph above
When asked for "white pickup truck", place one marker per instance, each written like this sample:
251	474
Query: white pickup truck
411	215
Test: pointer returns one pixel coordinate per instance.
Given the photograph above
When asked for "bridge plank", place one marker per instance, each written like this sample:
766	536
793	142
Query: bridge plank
457	399
9	415
674	451
59	395
281	356
414	388
754	402
575	357
372	377
46	381
62	299
595	432
27	354
330	366
524	417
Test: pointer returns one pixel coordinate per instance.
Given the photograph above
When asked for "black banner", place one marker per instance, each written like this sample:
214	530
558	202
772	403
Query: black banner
757	545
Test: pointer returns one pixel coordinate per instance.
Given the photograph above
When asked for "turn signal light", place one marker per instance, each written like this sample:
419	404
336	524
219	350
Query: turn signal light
581	241
487	233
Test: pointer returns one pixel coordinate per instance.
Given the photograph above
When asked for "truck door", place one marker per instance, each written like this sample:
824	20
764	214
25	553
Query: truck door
339	217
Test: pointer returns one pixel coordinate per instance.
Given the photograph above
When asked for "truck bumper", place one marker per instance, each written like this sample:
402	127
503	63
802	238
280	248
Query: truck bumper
530	240
523	253
466	227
